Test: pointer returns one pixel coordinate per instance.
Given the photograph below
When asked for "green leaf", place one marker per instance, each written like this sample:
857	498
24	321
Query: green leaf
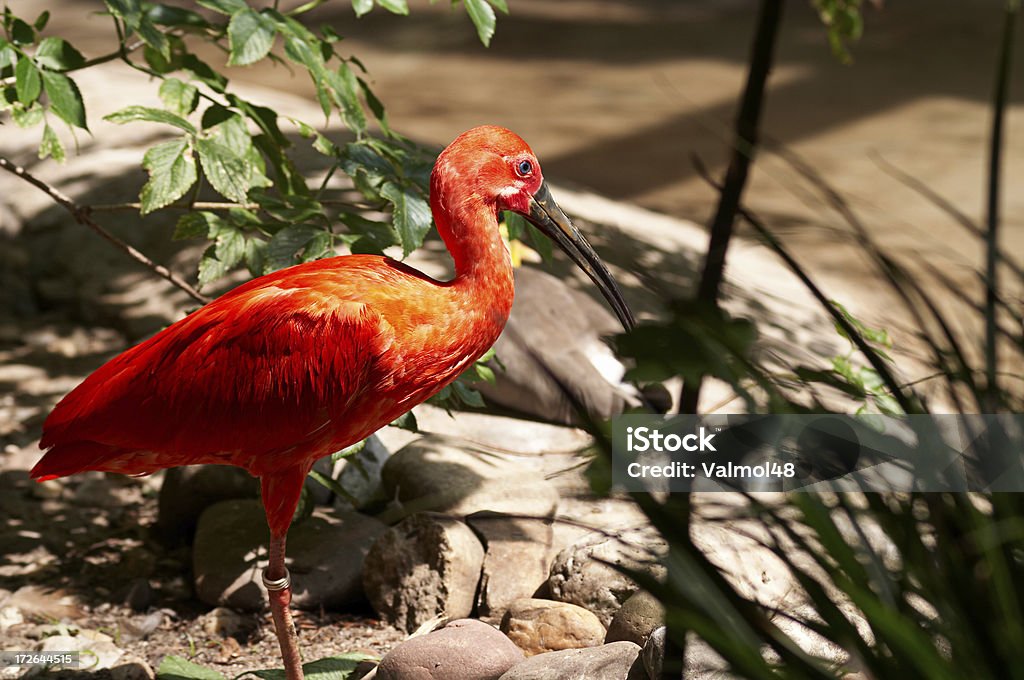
210	268
395	6
201	224
179	97
65	99
27	81
345	94
166	15
58	54
177	668
411	215
150	115
42	20
500	5
172	171
362	6
251	35
229	247
51	146
131	12
228	173
376	106
8	57
331	668
22	33
483	18
224	6
202	72
24	118
406	421
286	245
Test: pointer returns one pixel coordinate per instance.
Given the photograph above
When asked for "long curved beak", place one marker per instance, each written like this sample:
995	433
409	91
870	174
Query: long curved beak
549	218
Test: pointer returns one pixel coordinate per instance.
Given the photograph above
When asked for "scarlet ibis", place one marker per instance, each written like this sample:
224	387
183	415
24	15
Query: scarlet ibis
302	362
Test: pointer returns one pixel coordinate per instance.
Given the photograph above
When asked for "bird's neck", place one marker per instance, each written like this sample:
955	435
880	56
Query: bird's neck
483	265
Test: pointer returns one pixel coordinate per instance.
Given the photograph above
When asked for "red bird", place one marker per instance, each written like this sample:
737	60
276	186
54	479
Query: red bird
305	361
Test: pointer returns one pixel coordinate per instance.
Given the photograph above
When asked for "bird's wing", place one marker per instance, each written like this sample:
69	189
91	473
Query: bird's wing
259	370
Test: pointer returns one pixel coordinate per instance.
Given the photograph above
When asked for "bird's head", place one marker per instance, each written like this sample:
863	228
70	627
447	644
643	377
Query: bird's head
492	165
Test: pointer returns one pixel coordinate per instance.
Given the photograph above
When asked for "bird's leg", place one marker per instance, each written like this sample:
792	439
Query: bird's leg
279	590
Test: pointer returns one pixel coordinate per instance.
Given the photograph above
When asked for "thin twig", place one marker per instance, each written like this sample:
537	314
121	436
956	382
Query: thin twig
81	215
223	205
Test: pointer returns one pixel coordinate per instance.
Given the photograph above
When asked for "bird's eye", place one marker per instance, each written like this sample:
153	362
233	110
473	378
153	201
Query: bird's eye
524	168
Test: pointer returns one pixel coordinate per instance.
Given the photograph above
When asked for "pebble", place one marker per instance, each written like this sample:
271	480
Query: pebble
465	649
613	661
539	626
426	565
222	622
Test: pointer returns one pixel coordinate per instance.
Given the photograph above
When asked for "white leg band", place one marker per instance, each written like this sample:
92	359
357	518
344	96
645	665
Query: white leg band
277	584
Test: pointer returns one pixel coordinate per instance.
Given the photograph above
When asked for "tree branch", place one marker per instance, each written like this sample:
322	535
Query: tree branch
82	216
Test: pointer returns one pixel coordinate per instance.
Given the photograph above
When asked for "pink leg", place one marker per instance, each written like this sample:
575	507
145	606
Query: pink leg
281	492
279	590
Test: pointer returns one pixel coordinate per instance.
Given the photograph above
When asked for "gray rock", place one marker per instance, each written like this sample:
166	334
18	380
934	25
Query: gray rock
702	662
637	619
465	649
188	490
139	594
614	661
229	555
583	573
539	626
360	476
552	341
444	474
516	560
425	566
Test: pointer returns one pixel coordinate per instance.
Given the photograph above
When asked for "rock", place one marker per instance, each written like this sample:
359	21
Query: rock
360	476
224	623
516	560
613	661
702	662
425	566
102	491
553	340
187	491
637	619
96	652
583	573
444	474
465	649
139	594
229	556
131	667
539	626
